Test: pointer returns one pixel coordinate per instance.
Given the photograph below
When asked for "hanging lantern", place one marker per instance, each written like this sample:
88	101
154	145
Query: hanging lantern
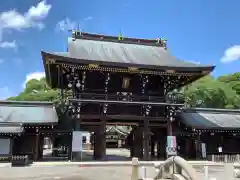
78	85
69	85
126	82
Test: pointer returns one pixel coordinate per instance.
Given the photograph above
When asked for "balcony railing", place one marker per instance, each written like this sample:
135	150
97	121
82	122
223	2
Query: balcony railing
117	97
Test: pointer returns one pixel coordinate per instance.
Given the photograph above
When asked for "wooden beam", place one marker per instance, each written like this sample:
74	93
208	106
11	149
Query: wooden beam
36	155
96	101
122	124
90	123
157	125
122	117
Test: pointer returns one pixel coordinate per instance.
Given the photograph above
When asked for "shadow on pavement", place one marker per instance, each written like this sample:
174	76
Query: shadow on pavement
87	155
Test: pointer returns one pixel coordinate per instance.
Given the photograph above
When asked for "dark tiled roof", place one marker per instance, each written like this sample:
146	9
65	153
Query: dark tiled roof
27	112
211	118
104	52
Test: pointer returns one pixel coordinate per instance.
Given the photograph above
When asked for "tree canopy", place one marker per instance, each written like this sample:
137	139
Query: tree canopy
213	93
209	92
37	90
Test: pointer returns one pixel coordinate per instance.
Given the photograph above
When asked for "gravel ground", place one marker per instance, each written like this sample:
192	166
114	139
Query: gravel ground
91	173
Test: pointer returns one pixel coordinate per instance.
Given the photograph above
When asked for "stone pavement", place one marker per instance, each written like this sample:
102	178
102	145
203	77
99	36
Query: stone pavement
116	163
5	165
92	173
107	170
195	164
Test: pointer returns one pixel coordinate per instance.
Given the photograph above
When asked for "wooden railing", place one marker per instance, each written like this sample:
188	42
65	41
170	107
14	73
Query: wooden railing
120	97
225	158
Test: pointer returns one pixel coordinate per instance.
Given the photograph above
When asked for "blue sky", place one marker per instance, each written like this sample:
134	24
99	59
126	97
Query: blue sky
201	31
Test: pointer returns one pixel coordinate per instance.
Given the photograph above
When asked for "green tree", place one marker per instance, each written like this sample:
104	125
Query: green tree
37	90
232	80
211	93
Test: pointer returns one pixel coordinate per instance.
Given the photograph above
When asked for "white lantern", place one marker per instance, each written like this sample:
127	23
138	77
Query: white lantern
78	85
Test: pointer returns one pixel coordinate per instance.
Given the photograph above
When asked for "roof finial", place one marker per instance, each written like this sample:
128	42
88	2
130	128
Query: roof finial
120	35
78	29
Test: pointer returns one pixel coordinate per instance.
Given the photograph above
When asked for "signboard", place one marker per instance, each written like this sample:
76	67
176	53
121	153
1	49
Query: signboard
203	148
77	140
171	148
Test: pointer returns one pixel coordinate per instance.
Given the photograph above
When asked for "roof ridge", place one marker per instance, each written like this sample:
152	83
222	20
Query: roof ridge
10	123
26	103
159	42
217	110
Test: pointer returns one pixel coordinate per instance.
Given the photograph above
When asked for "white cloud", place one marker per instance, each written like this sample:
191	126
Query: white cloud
8	44
39	12
34	75
67	24
231	54
13	19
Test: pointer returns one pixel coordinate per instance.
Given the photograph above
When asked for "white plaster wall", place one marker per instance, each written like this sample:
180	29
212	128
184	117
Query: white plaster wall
5	146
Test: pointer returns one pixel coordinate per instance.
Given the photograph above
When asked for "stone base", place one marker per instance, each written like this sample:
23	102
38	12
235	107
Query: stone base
87	146
236	173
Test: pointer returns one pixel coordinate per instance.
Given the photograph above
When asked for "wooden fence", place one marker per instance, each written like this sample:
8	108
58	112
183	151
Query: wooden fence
225	158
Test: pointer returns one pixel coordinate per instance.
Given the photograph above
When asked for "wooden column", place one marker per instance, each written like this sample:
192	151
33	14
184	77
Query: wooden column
36	153
100	141
138	142
132	149
169	127
103	142
153	147
161	149
77	155
161	144
40	151
70	147
146	139
131	142
169	122
198	149
94	146
187	147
